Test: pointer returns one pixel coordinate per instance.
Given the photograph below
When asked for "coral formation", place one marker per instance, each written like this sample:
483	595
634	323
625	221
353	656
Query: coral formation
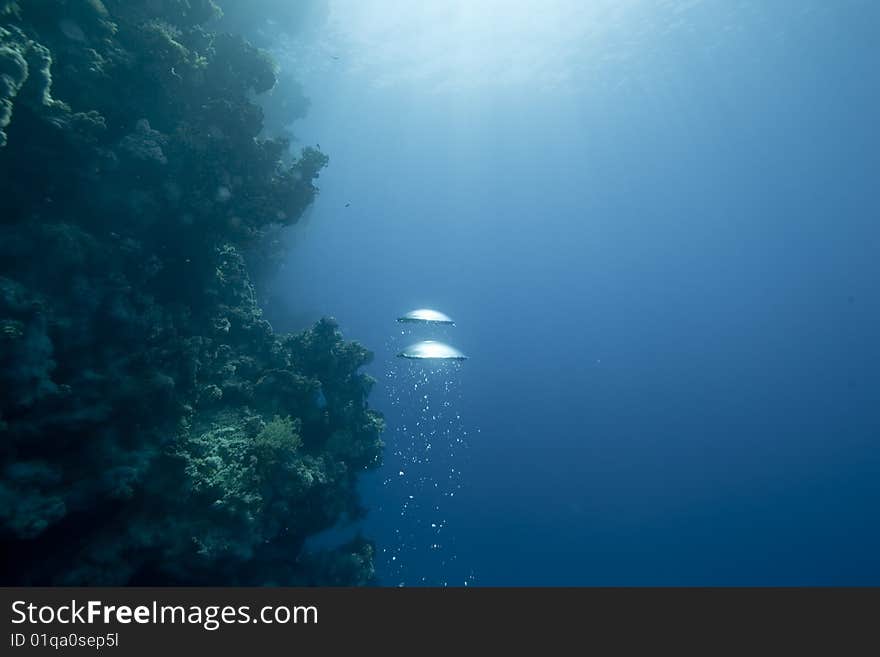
262	21
154	429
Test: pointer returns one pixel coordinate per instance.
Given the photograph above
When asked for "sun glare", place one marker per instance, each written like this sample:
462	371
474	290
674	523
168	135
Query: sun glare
462	44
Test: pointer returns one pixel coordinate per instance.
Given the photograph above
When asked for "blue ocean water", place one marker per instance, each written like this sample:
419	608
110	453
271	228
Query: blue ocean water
656	226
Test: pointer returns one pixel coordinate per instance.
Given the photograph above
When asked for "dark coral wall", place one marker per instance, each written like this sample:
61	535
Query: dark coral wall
155	430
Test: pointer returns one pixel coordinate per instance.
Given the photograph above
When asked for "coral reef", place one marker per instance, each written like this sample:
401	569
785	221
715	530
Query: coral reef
262	21
154	429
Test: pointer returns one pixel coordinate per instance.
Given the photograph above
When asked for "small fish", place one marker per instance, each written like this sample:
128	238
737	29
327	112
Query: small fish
347	204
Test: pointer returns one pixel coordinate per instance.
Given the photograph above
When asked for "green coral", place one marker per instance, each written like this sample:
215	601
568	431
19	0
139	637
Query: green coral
273	446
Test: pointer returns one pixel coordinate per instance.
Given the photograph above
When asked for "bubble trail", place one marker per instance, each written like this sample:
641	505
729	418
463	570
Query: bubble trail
427	443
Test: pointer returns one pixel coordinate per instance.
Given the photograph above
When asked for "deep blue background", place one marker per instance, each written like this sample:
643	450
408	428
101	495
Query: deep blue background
669	290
